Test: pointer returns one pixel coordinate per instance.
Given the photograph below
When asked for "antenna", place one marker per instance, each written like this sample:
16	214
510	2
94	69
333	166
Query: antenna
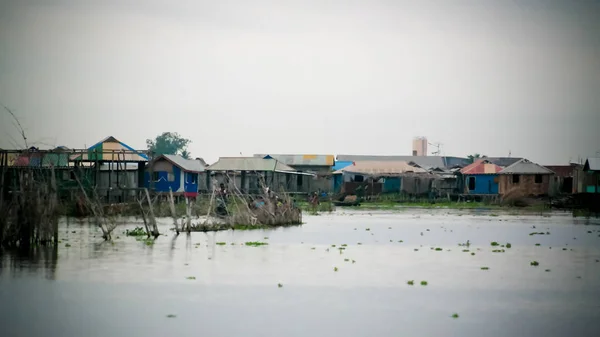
438	147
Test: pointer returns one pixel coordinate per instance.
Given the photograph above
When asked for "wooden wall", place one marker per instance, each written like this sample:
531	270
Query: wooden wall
525	187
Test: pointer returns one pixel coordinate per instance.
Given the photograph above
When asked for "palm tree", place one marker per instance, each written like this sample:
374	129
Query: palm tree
473	157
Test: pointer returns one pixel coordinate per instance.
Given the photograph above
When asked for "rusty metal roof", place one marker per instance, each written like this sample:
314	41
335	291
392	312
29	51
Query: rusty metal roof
481	167
380	167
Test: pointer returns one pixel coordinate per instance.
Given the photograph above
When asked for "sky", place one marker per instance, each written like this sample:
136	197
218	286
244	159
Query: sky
240	77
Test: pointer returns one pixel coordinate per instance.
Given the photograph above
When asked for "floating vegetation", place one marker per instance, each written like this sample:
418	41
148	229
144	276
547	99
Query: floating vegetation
416	249
190	278
332	246
498	251
438	249
411	282
255	243
493	214
466	244
368	229
455	315
313	248
400	241
353	261
171	316
335	268
534	263
538	233
424	283
472	253
537	244
220	243
485	268
266	238
547	270
508	245
360	243
344	245
67	245
279	285
465	250
138	231
346	260
494	243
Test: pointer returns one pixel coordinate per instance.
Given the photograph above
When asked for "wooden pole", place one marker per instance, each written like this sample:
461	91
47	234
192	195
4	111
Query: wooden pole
173	212
151	214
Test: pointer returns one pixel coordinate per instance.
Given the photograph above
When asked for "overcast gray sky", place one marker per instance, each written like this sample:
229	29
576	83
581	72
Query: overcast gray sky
323	76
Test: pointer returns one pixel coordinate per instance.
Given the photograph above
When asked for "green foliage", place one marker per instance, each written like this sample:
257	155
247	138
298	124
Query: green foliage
255	243
424	283
454	315
190	278
411	282
138	231
508	245
279	285
221	243
169	143
485	268
494	243
534	263
473	157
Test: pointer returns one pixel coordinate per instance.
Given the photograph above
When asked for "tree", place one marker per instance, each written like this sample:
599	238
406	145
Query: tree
169	143
474	157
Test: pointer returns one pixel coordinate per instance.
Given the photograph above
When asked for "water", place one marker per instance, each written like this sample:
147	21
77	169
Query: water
128	288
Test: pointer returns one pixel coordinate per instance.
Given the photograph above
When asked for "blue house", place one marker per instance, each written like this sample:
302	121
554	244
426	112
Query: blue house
481	178
177	174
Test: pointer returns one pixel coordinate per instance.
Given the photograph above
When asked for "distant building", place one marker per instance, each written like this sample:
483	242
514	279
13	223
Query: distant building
173	173
481	178
424	162
525	179
319	167
420	146
592	179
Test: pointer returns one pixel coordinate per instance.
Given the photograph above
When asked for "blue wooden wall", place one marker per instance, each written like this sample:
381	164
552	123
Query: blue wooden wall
484	184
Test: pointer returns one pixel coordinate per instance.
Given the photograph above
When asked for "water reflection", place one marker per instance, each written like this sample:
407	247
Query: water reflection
127	287
39	260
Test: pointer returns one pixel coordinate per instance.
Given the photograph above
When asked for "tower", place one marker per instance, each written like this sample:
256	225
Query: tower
419	146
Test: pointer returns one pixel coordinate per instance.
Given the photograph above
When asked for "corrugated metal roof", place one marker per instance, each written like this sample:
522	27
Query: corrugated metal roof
302	159
380	167
428	161
481	167
524	166
592	164
189	165
502	161
248	164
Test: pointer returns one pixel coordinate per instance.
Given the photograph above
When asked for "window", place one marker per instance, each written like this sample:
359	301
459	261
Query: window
299	180
471	182
539	178
170	177
155	176
192	178
359	178
515	178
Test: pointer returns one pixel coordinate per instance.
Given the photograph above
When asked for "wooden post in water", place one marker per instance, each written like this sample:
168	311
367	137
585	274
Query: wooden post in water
188	214
173	212
53	204
152	218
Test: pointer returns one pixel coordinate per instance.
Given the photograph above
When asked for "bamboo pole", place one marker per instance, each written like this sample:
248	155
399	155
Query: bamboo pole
173	212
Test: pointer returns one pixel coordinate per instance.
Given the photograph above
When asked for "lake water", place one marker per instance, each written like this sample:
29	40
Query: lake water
127	288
